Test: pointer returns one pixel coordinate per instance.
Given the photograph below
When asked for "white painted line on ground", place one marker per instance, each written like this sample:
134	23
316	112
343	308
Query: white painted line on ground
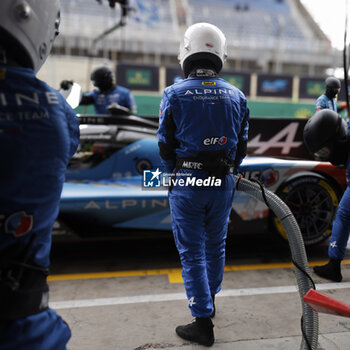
117	301
181	296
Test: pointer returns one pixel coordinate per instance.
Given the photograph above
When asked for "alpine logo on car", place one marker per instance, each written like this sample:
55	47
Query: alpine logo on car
284	139
220	140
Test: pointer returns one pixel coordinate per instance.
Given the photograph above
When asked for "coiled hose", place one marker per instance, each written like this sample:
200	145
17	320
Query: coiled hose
296	244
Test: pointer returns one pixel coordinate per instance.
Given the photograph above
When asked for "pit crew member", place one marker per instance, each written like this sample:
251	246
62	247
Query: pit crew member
39	133
202	133
328	100
326	135
107	92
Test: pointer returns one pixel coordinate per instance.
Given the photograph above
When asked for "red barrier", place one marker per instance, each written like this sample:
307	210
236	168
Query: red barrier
322	303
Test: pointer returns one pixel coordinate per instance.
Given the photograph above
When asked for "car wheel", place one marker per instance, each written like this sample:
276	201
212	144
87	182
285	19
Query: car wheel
313	201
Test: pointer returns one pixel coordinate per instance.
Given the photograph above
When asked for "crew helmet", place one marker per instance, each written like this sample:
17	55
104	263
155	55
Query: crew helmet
203	41
28	29
332	87
332	83
326	137
103	78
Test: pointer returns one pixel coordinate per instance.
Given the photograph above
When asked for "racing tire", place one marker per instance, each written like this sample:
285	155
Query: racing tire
313	201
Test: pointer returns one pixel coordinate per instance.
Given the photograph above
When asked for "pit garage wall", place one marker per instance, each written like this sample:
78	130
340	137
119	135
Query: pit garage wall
269	95
149	106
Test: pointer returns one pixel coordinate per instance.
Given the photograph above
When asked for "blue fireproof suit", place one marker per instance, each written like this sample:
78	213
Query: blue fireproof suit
201	113
39	133
101	101
341	224
323	102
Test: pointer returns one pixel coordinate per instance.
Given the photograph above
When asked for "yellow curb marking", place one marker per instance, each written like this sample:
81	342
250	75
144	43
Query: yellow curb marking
174	275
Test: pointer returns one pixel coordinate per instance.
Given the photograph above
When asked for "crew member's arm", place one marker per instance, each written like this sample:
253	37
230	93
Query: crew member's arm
166	135
131	104
73	129
320	104
87	99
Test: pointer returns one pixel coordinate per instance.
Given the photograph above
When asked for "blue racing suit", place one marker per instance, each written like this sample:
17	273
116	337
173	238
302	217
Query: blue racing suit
201	115
101	101
39	133
341	224
324	102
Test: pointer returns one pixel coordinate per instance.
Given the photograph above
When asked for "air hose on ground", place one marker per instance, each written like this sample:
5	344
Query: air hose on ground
299	258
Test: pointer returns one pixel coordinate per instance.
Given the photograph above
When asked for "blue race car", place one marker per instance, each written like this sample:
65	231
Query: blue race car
105	195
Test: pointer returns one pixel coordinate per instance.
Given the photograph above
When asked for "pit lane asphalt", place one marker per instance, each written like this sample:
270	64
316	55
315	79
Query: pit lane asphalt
128	294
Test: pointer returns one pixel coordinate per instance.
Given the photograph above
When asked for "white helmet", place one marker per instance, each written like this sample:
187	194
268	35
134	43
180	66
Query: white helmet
203	41
28	29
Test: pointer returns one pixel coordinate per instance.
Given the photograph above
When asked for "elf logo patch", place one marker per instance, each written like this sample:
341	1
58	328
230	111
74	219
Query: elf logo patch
220	140
18	224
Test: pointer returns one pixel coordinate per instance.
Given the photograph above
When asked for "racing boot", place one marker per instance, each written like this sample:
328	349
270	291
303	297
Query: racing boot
330	271
213	313
199	331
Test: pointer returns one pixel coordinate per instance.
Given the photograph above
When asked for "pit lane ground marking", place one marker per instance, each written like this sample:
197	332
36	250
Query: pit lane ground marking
69	304
174	275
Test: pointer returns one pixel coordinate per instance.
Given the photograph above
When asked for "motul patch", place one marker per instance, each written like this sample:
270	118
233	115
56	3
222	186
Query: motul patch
18	224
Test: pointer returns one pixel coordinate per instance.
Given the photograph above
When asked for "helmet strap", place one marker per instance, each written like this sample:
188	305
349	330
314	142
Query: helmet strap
203	72
6	59
191	66
12	52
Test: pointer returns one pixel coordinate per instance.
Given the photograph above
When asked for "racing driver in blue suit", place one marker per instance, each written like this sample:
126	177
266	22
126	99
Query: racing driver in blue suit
39	133
203	131
326	135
